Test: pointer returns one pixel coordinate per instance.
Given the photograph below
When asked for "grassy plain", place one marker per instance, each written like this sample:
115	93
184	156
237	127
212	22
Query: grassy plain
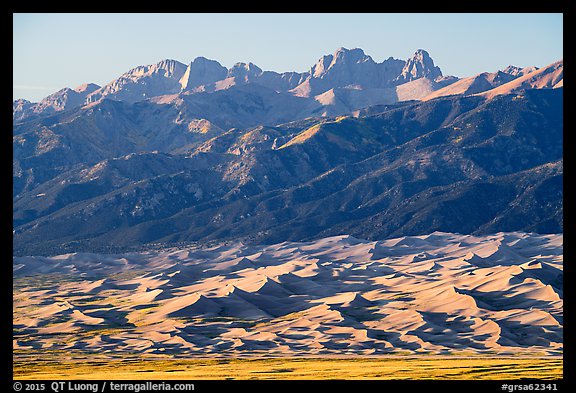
408	367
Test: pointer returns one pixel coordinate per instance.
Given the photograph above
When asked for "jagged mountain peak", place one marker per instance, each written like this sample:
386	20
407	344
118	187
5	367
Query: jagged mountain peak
419	65
512	70
144	82
21	107
86	88
518	71
64	99
168	68
352	54
202	71
321	66
244	68
21	101
242	73
342	57
354	68
202	59
421	54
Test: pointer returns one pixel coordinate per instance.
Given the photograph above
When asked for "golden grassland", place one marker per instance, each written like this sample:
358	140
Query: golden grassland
409	367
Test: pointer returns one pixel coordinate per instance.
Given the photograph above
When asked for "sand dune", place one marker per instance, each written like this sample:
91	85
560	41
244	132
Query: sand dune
437	293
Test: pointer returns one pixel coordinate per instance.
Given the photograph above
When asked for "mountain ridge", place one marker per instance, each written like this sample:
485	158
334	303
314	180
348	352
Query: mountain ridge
175	152
346	67
353	79
365	175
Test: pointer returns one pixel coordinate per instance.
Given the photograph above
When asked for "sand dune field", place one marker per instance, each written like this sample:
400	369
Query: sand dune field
435	294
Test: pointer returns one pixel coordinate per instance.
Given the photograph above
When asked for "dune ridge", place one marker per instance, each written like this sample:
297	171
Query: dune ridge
439	293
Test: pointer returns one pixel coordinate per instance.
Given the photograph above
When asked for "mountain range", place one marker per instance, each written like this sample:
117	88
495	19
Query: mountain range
176	153
345	80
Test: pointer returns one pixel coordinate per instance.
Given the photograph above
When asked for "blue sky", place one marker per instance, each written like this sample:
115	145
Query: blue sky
52	51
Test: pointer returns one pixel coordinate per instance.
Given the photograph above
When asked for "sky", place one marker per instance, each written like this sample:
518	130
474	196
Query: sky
53	51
